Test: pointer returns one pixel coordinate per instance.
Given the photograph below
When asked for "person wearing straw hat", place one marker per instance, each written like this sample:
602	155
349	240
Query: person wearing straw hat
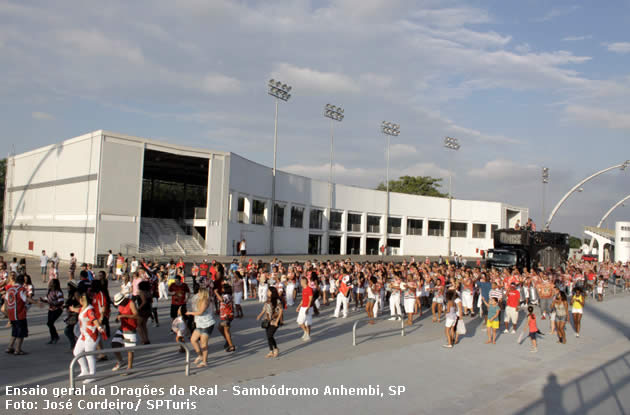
126	335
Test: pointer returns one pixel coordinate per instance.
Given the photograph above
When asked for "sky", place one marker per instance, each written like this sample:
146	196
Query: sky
521	84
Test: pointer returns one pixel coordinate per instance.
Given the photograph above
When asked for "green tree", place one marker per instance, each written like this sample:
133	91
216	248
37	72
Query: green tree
418	185
574	243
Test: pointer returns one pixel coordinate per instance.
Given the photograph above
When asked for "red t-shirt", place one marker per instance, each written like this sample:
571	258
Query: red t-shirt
127	325
179	293
203	270
213	272
532	324
307	293
513	298
442	280
16	302
98	302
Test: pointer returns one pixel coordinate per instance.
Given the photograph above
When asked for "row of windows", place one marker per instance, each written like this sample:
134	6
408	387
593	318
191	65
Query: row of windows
394	225
625	228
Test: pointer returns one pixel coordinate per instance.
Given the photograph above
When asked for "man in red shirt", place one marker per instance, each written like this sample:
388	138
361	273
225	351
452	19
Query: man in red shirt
511	309
179	292
305	310
203	269
16	301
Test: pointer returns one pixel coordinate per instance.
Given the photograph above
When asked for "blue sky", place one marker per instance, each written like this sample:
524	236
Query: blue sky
521	84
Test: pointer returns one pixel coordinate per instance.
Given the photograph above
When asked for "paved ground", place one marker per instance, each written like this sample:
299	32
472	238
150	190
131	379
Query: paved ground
588	375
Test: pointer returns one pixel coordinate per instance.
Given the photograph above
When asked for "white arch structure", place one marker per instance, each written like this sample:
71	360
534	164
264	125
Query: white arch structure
615	206
621	166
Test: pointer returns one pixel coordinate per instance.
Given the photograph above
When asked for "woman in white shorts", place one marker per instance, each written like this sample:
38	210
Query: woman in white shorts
451	319
437	305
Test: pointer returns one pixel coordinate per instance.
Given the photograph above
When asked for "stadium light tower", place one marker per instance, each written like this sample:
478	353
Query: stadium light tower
335	114
545	180
281	92
450	143
390	130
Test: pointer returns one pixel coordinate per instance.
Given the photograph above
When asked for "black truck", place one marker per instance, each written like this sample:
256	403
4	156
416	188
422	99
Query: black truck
528	249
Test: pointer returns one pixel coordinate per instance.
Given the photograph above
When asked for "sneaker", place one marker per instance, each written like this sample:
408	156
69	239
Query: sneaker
392	318
513	331
306	338
577	334
533	351
506	331
117	367
448	346
86	381
345	317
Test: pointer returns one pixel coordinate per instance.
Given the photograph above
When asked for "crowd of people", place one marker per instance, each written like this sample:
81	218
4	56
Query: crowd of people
210	294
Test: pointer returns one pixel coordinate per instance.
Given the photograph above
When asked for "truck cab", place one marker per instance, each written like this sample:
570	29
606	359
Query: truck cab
507	258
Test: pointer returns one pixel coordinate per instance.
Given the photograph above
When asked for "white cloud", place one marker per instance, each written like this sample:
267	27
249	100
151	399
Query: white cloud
558	12
618	47
38	115
397	151
307	79
523	48
373	80
599	116
216	83
97	44
500	170
453	17
576	38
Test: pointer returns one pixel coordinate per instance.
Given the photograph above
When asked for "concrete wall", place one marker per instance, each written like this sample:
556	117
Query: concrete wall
120	194
51	199
622	241
253	182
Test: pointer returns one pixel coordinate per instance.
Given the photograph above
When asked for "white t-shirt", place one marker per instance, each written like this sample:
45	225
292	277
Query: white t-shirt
134	266
243	246
43	261
110	260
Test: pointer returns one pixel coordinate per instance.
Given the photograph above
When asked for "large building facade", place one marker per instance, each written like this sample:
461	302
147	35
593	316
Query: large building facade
106	190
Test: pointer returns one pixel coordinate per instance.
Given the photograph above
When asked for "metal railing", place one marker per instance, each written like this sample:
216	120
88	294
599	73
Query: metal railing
197	237
258	219
374	228
354	326
354	227
458	234
125	349
200	213
436	232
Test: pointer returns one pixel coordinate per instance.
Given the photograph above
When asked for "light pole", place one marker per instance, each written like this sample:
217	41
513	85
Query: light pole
390	130
578	186
335	114
451	144
545	180
281	92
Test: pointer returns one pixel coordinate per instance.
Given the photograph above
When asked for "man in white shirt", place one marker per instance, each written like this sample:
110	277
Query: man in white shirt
134	264
43	263
110	264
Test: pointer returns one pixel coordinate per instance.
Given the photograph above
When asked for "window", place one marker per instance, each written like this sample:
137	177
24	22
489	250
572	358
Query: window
374	224
436	228
624	239
625	228
393	225
354	222
278	215
316	216
492	229
297	215
258	212
335	221
459	229
479	230
241	209
414	226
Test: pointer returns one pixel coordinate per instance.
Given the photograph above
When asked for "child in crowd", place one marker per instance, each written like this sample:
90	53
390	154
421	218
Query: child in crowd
180	329
533	328
162	287
493	320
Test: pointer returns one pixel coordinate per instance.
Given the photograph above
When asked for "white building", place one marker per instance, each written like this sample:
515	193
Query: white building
622	241
105	190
